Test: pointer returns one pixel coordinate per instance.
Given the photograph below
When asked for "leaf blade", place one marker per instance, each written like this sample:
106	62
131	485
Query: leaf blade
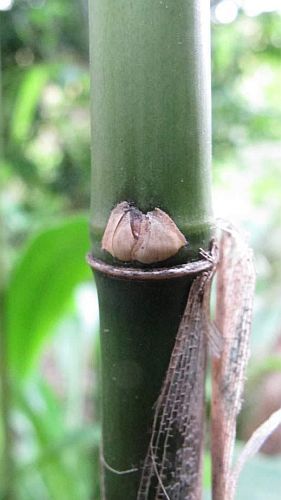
41	287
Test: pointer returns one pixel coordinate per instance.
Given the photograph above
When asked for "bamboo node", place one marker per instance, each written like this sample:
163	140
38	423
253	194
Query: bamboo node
131	235
139	274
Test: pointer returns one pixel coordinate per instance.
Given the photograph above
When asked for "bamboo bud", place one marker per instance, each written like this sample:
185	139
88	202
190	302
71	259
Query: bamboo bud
131	235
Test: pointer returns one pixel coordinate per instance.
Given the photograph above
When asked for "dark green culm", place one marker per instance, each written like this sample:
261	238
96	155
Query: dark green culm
151	141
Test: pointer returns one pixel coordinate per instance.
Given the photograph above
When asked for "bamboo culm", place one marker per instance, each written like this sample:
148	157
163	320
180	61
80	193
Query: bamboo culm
151	136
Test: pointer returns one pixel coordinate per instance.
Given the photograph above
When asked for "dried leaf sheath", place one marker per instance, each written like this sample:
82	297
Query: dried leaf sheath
235	289
173	463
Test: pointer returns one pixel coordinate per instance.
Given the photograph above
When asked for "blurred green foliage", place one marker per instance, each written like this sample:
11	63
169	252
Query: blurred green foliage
46	275
44	174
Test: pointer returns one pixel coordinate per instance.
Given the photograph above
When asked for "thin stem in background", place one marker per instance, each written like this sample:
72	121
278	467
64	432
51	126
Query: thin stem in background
5	394
1	102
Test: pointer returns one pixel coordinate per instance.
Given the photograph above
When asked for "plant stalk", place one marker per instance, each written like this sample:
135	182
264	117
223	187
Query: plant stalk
151	137
7	489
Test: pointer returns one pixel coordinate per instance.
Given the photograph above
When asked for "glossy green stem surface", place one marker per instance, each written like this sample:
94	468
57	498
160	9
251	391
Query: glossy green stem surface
151	136
139	322
150	69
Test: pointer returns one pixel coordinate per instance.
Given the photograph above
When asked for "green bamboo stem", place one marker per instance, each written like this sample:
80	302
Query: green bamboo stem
150	70
151	111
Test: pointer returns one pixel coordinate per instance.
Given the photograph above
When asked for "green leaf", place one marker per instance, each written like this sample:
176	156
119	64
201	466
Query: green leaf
41	287
85	439
62	456
27	101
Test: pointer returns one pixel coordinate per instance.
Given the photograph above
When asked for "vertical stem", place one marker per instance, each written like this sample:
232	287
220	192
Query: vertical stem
151	138
7	460
1	102
218	421
151	113
235	291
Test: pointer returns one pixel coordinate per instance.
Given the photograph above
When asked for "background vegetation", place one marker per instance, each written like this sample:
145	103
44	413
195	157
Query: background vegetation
51	306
